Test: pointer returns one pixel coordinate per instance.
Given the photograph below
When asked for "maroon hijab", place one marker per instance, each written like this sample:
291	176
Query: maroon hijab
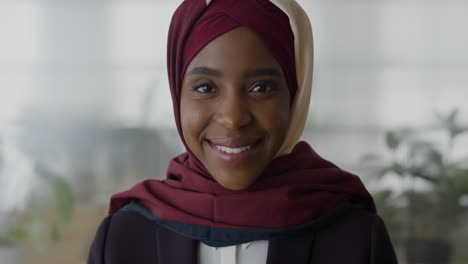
293	189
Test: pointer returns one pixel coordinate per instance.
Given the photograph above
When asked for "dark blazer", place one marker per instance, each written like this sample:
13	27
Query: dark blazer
357	238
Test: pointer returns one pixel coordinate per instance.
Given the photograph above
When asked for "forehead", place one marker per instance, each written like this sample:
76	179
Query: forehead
239	48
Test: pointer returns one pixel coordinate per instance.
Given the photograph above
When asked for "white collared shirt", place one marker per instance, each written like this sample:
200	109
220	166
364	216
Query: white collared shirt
254	252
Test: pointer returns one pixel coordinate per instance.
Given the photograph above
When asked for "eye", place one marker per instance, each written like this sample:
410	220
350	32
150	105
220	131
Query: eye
264	87
203	87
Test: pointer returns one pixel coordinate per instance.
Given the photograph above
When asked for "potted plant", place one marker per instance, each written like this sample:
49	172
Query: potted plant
29	223
433	186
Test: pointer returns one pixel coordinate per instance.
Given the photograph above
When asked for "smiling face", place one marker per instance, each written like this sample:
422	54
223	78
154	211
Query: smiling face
234	107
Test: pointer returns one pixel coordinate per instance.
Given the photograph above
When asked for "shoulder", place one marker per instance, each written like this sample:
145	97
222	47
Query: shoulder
358	236
124	237
131	228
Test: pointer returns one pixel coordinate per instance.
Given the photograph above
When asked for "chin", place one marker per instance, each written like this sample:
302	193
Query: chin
235	187
236	183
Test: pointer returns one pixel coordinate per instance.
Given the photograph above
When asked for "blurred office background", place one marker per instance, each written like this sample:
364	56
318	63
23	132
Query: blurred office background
85	112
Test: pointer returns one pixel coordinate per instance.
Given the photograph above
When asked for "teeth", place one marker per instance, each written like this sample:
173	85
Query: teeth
233	150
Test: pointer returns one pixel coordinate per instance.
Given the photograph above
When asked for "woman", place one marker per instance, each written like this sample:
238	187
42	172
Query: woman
245	191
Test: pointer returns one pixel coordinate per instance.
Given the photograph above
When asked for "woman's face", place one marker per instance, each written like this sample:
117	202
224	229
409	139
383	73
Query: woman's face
234	107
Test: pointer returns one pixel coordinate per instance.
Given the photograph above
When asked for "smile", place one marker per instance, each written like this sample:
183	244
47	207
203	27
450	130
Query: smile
233	150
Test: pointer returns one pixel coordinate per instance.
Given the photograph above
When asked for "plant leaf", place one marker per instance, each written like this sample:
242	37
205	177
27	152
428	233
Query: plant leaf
63	194
64	201
392	140
55	234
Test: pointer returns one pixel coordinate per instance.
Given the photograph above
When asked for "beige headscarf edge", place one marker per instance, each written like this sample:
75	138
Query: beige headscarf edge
304	56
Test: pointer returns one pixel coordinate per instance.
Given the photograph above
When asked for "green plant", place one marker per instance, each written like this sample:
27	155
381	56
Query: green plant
386	203
434	181
31	224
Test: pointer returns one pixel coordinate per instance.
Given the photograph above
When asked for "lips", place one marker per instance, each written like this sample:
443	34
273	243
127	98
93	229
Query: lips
239	142
234	151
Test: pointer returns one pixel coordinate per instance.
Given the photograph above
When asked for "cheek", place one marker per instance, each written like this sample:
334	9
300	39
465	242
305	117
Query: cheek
276	118
194	118
281	124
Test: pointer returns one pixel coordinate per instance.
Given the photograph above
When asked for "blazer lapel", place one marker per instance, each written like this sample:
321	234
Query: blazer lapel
296	249
175	249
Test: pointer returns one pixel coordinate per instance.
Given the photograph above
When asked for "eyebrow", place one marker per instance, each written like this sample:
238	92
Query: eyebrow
204	70
251	74
264	72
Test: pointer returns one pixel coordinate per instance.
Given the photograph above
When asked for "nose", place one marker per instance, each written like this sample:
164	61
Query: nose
233	112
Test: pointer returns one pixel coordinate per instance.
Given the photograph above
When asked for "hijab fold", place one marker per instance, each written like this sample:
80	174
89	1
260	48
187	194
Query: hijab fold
298	186
294	189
